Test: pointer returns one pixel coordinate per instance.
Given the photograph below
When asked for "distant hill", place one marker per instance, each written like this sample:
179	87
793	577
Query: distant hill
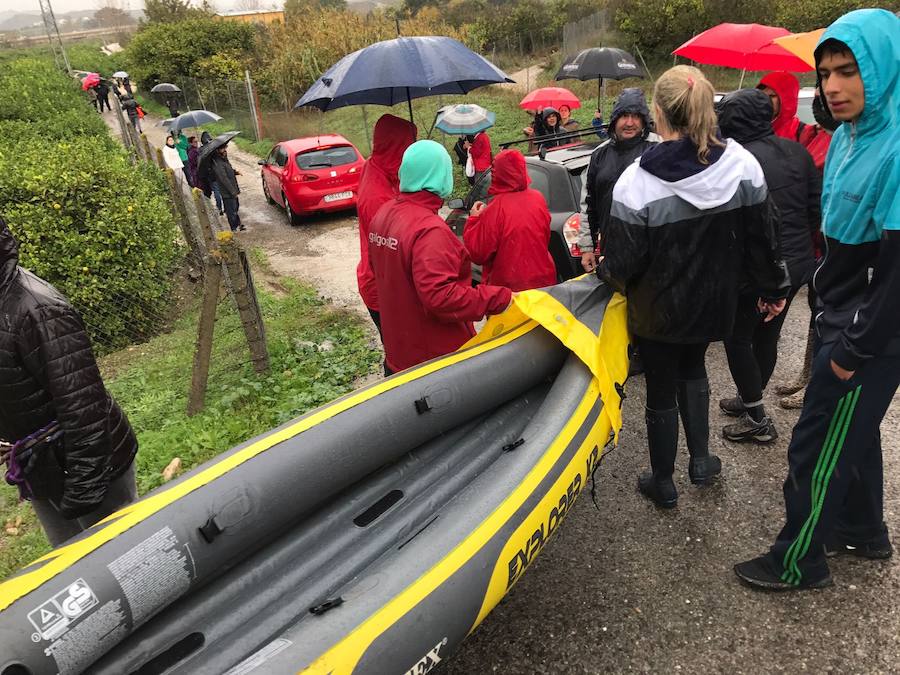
11	20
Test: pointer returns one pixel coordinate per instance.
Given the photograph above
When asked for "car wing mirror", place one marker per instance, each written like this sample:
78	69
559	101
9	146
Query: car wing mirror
261	162
457	205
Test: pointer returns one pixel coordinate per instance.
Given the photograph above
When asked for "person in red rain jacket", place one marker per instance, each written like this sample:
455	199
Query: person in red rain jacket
481	153
379	184
509	237
422	271
783	90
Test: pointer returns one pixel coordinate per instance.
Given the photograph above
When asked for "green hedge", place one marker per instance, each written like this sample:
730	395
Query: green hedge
98	228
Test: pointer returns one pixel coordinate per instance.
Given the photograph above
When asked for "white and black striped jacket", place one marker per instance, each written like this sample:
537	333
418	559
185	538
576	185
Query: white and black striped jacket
685	237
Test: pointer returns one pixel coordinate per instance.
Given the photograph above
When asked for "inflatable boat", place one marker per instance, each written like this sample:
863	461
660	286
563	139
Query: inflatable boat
368	536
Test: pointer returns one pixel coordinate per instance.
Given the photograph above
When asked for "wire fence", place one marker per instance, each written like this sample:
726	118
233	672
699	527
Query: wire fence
586	33
234	100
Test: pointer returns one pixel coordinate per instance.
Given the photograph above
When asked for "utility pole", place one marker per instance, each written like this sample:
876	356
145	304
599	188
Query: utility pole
56	44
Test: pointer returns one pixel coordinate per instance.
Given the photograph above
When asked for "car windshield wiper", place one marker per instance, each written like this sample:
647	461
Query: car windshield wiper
318	164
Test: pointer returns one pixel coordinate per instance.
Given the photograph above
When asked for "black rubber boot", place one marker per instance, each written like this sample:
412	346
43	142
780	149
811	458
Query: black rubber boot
693	403
662	439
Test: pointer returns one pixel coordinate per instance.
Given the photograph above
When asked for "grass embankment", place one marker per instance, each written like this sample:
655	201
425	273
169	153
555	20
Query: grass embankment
317	353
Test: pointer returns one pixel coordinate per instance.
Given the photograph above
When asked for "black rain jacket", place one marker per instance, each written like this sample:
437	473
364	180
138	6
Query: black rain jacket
609	161
791	176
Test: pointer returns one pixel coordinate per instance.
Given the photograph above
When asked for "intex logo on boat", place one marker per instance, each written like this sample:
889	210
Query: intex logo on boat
379	240
430	660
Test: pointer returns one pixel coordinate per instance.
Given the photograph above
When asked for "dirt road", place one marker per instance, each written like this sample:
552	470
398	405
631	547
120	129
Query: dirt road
324	250
628	588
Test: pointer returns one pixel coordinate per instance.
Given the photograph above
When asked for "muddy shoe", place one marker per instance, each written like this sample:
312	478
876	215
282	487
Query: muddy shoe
733	407
661	491
748	430
789	389
703	470
794	401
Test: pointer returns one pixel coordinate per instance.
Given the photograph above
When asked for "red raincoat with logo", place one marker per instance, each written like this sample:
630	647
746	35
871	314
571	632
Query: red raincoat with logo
424	282
510	237
379	184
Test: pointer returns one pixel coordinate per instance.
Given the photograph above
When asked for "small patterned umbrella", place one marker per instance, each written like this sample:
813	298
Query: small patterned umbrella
464	118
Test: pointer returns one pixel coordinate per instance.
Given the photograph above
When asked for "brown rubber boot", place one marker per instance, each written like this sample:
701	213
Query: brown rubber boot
803	380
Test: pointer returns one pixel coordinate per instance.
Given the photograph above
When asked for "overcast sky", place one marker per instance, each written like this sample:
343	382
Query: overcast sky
61	6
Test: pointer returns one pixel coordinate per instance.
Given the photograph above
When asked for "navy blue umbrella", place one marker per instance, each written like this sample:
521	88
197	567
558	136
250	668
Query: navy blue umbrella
393	71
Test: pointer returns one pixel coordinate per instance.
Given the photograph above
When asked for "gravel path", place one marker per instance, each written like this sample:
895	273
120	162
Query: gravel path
628	588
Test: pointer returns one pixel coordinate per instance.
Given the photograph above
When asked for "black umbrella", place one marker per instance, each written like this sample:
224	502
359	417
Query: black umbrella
164	87
600	63
393	71
207	150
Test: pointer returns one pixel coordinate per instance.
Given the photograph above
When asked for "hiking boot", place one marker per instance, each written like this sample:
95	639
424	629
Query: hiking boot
733	407
805	373
661	491
748	430
871	550
794	401
761	574
662	441
693	404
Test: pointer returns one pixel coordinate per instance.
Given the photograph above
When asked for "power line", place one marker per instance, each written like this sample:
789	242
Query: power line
56	43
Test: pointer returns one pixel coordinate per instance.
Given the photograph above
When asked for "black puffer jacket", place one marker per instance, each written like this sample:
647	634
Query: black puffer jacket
608	162
791	176
48	372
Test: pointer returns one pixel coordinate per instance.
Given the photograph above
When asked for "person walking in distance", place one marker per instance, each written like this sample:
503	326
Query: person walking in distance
688	220
834	491
225	177
67	445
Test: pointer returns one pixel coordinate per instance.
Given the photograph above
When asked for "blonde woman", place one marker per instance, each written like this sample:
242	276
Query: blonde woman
690	226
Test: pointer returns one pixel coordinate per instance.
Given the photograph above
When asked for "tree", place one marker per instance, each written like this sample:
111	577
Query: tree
170	11
112	16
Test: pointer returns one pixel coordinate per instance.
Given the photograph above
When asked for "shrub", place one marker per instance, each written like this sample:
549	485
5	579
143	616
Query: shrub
87	221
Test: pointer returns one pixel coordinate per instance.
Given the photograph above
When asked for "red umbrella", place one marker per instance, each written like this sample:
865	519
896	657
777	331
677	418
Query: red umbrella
550	97
747	46
90	80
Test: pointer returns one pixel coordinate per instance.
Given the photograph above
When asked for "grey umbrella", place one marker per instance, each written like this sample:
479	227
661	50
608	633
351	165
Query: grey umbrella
192	118
207	150
164	87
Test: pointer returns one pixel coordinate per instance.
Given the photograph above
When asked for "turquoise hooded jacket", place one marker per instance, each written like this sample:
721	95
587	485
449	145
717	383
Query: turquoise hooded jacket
859	280
427	166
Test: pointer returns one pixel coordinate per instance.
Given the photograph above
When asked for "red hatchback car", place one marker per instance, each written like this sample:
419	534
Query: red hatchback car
312	175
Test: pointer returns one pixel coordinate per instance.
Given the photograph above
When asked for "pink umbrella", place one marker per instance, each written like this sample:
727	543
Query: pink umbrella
90	80
747	46
550	97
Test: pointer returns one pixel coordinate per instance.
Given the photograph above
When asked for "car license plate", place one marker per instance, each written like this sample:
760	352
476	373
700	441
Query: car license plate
337	196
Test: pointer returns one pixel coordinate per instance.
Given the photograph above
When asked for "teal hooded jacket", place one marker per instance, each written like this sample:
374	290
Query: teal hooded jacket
858	282
427	166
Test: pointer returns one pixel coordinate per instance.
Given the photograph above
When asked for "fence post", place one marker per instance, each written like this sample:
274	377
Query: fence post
245	297
254	106
159	159
148	151
366	127
181	211
206	227
212	279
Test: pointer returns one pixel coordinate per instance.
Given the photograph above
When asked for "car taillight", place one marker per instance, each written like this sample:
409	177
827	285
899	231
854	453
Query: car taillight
352	170
570	233
304	178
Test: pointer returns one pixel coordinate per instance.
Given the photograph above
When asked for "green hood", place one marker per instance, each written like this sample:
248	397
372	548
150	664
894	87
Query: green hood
427	166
